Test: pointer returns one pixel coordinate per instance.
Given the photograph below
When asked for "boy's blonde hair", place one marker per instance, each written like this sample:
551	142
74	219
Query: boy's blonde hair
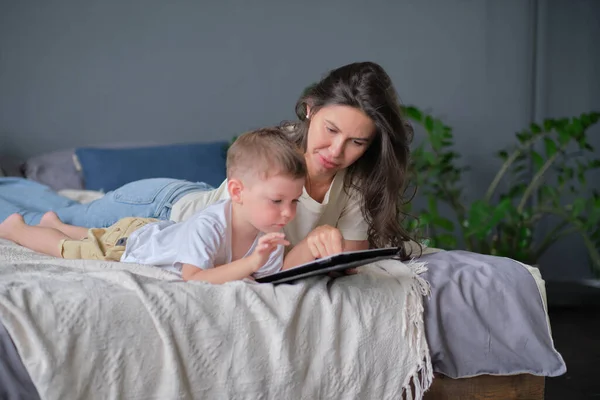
263	153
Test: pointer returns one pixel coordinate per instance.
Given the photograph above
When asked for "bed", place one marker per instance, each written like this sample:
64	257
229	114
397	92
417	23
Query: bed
486	387
485	320
470	343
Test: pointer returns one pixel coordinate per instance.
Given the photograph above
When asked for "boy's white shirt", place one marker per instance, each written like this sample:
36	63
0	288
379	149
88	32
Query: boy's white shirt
202	240
338	209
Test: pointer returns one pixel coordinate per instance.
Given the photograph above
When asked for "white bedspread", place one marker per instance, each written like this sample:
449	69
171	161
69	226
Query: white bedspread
102	330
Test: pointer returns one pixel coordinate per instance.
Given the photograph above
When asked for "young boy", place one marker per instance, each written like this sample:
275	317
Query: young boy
230	240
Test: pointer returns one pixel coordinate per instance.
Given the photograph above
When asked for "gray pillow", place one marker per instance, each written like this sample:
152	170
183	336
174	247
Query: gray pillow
55	169
486	316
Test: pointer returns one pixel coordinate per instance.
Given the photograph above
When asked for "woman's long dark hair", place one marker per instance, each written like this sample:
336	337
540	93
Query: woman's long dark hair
380	174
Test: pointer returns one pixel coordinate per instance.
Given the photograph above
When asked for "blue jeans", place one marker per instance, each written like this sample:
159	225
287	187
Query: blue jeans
146	198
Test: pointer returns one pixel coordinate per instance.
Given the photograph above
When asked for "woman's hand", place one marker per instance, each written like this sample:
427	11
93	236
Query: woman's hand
324	241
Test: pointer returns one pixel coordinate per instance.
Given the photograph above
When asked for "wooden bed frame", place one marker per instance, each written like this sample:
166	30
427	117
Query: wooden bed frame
487	387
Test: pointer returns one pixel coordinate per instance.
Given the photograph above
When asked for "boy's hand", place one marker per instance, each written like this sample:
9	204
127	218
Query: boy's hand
266	245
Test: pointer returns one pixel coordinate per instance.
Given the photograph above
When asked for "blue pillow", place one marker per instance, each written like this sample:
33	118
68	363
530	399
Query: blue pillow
107	169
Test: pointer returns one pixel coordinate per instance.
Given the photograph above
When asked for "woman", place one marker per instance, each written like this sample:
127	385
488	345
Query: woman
356	146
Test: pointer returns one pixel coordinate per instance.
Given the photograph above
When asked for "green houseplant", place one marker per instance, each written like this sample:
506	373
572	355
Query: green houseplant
542	177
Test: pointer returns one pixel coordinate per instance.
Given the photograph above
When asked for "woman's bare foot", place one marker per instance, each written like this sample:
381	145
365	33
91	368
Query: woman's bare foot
10	224
50	220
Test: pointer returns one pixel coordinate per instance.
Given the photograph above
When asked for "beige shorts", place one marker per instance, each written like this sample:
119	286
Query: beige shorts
101	243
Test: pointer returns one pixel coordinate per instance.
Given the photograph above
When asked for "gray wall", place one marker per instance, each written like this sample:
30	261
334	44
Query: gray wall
569	83
76	73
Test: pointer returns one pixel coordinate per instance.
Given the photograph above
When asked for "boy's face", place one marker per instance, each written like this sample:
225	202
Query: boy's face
269	204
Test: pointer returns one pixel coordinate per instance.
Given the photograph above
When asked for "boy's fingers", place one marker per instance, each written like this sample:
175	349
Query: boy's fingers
272	244
274	235
269	237
276	241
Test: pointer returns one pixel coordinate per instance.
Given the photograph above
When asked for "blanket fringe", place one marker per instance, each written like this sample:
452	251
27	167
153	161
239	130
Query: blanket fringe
414	331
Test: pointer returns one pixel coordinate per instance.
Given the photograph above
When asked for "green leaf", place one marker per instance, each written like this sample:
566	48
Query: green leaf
581	177
586	120
548	124
500	212
436	139
563	137
577	126
550	147
411	225
578	206
413	113
432	201
523	137
520	168
448	157
521	157
548	192
424	218
517	190
538	161
593	217
446	241
429	123
570	172
478	214
503	154
438	128
535	128
562	123
429	157
447	132
444	223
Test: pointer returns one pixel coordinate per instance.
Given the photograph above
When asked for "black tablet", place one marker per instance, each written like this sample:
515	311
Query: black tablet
337	262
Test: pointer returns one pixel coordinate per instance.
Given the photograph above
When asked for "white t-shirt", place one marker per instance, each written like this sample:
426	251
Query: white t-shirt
338	209
203	240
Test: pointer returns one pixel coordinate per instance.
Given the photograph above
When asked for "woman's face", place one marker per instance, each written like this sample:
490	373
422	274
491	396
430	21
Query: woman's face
337	137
